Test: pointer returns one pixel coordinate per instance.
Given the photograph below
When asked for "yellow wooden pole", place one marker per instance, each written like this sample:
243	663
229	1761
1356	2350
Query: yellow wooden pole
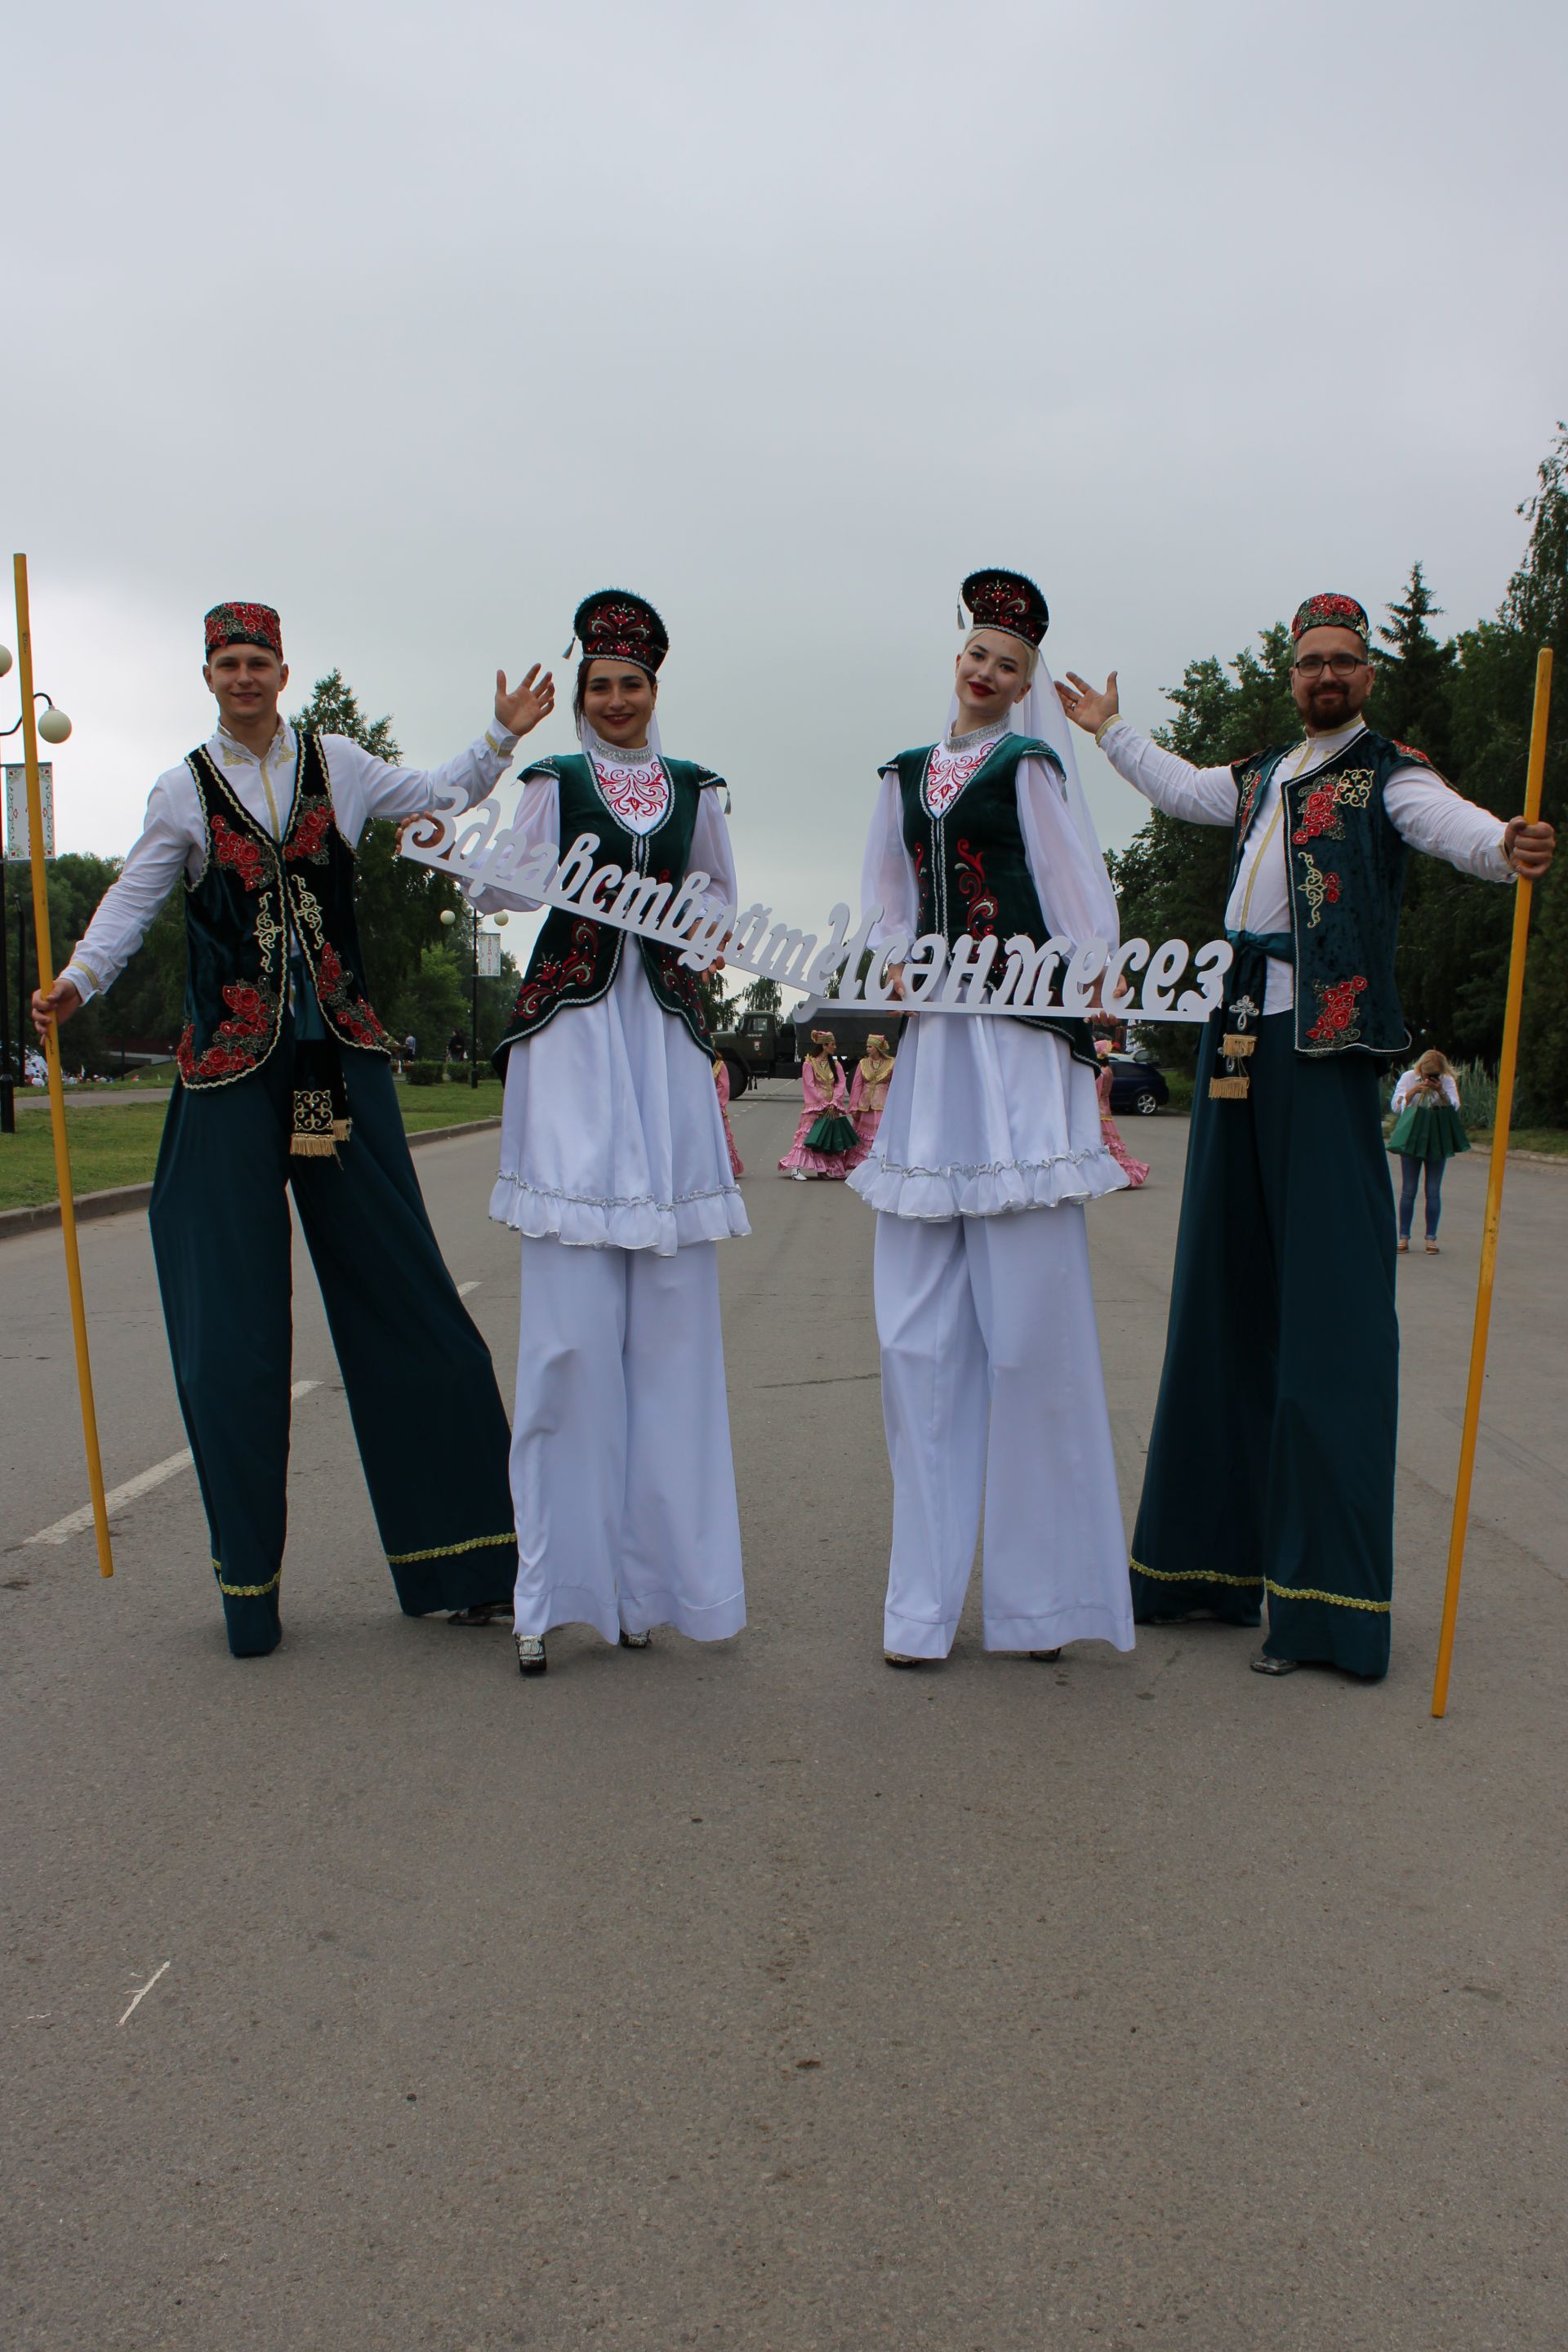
56	1088
1494	1194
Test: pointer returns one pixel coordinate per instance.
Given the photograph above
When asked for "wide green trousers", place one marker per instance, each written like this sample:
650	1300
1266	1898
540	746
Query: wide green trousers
1270	1468
427	1416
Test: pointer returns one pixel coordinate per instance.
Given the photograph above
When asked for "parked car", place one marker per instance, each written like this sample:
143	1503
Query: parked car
1136	1085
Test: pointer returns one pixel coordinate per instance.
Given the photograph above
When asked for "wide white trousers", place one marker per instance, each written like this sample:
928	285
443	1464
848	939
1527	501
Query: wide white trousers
993	1393
621	1473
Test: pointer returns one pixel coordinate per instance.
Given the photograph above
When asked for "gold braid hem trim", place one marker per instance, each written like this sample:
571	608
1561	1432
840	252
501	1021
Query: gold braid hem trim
446	1551
245	1592
1281	1591
1339	1599
1197	1576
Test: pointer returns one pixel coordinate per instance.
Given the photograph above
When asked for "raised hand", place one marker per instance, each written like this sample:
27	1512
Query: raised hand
532	700
1084	706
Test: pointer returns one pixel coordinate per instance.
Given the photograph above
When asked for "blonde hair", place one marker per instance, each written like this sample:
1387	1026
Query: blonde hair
1434	1065
1031	653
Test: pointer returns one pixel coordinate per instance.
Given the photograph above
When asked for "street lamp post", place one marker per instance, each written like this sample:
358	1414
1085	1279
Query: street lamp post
53	727
448	917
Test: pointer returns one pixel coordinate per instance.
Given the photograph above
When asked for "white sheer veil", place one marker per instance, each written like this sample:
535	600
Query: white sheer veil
1068	837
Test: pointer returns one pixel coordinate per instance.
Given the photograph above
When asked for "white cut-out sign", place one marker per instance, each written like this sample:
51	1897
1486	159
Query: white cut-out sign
971	975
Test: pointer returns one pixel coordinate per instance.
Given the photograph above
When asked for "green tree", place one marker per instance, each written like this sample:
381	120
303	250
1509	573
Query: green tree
1445	920
144	1007
1534	614
432	1001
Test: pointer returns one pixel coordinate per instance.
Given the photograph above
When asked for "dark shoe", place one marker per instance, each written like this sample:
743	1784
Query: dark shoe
530	1657
1264	1664
1046	1658
482	1612
897	1658
635	1641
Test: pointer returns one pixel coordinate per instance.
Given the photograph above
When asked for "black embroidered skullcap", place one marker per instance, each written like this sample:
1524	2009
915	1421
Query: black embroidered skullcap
1330	612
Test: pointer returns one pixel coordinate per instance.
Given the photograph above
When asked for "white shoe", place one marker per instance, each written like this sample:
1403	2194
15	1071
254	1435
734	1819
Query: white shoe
530	1657
635	1641
800	1175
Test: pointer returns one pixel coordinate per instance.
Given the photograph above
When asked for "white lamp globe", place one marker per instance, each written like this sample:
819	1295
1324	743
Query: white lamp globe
448	917
53	727
499	921
5	659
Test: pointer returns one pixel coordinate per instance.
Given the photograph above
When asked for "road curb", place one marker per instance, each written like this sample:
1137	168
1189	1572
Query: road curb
120	1198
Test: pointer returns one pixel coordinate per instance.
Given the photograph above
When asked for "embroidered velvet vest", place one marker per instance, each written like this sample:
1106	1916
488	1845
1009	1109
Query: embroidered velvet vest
962	829
251	894
576	960
1346	864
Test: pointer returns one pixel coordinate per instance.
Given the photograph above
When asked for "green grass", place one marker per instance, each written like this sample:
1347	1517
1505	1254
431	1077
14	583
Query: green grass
121	1147
1552	1141
451	1103
107	1147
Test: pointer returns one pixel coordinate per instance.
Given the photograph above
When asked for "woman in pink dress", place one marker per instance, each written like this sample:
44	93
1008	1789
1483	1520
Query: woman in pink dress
867	1093
825	1136
722	1080
1136	1171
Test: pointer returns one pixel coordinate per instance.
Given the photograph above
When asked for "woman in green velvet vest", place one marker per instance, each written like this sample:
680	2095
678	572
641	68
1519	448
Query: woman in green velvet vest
615	1173
987	1152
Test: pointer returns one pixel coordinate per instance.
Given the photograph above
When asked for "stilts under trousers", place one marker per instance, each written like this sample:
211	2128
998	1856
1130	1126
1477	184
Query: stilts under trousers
427	1415
621	1471
993	1393
1271	1460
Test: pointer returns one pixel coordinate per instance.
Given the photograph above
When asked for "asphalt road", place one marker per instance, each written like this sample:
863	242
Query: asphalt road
755	1996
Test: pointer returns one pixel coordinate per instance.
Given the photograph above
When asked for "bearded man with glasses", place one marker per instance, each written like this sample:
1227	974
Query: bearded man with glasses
1270	1469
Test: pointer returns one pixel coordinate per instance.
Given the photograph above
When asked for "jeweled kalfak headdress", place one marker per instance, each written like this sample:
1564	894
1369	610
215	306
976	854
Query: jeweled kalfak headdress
615	626
1009	601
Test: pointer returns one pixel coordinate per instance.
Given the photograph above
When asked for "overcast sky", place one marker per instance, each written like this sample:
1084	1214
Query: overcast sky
419	322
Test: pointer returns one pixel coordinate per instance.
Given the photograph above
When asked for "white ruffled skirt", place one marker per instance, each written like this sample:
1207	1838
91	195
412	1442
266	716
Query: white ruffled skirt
984	1116
611	1133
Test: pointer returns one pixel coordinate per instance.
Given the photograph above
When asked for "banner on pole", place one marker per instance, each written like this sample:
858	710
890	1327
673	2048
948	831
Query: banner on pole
17	850
489	955
1015	976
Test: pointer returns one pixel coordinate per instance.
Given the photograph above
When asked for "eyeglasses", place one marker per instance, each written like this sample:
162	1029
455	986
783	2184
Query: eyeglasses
1342	665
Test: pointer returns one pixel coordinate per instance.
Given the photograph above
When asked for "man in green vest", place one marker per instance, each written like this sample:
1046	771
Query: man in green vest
1270	1469
284	1080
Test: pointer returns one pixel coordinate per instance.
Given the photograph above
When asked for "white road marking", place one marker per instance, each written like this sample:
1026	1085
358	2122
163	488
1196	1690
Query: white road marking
464	1288
157	1972
76	1523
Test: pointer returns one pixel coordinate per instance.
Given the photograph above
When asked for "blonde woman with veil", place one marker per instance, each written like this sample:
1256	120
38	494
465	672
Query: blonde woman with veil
985	1155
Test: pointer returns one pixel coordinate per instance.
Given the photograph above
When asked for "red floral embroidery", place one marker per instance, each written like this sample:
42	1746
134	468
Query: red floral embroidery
1321	814
308	838
1336	1023
972	886
947	772
348	1013
246	857
238	1044
638	795
1249	785
557	973
1421	758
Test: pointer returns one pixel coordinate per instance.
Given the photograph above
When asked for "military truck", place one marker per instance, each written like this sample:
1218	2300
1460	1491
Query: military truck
772	1044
